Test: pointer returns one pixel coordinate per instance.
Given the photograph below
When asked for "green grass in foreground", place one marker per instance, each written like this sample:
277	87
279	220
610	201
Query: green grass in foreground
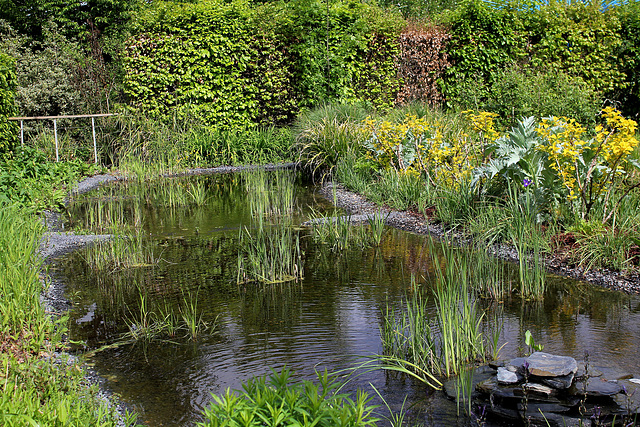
35	388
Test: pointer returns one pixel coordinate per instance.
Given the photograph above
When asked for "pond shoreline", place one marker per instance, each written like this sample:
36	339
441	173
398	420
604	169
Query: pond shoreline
413	222
57	242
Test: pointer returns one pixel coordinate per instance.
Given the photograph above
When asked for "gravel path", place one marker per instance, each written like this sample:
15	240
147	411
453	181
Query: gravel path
356	204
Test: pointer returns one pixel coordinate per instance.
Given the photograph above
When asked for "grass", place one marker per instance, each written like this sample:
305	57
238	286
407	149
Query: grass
35	388
148	323
340	232
269	252
429	345
324	135
144	147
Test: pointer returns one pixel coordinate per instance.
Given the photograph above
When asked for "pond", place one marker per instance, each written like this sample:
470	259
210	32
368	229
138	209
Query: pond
191	229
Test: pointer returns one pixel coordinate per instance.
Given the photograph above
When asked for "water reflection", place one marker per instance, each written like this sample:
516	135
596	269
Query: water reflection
325	321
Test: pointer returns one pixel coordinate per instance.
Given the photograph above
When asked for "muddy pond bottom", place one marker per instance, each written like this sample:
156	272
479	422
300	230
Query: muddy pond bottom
187	235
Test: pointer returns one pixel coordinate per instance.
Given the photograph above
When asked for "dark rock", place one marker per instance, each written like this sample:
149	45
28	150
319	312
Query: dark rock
559	383
545	407
480	374
596	387
629	400
548	365
539	389
517	363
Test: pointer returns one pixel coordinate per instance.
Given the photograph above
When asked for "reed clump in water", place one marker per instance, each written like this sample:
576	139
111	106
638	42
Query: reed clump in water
269	251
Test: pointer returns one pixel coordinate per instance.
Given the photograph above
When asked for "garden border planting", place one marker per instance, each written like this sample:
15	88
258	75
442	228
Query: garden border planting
416	223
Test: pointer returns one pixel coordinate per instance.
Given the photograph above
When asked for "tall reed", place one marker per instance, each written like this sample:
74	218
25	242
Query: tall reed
269	253
527	237
21	310
341	232
431	346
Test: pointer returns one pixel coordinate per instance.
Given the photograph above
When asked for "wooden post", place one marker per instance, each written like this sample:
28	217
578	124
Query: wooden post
95	149
22	133
55	136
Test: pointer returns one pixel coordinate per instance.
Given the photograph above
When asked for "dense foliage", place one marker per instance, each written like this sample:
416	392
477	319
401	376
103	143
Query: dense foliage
230	65
8	83
29	180
512	50
276	400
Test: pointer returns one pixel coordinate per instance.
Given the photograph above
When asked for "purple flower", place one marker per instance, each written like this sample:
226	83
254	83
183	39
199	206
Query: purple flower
526	182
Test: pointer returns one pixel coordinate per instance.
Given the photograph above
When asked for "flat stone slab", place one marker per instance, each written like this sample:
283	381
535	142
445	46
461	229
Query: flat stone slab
549	365
506	376
597	387
629	399
559	383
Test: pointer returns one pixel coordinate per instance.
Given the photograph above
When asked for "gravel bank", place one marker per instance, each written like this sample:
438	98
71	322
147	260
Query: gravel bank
356	204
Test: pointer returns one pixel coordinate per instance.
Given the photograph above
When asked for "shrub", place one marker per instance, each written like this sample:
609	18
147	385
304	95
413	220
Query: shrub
520	93
629	57
580	40
422	61
484	40
8	130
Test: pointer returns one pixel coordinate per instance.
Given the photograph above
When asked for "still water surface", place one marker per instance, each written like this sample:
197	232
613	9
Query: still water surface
326	321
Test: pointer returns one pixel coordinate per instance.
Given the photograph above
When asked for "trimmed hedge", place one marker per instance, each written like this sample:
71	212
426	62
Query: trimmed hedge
231	65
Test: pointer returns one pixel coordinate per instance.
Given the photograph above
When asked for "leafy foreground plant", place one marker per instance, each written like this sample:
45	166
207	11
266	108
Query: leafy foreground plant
35	388
274	401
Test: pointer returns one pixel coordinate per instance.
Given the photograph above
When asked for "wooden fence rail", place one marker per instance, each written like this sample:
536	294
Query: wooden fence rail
55	127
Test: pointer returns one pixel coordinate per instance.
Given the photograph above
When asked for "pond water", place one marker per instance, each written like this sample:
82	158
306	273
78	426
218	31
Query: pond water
327	320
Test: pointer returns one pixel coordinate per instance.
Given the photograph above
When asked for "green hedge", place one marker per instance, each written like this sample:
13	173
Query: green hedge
232	65
590	46
8	83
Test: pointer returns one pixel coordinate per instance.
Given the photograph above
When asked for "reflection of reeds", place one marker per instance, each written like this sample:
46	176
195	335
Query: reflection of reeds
270	193
121	252
340	232
269	254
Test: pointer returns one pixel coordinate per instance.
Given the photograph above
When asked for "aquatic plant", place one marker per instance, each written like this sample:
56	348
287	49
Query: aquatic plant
428	346
269	193
340	232
275	400
269	254
122	251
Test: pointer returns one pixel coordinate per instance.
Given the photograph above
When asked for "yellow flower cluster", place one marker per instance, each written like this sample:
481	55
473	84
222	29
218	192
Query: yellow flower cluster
564	147
617	137
483	122
445	162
